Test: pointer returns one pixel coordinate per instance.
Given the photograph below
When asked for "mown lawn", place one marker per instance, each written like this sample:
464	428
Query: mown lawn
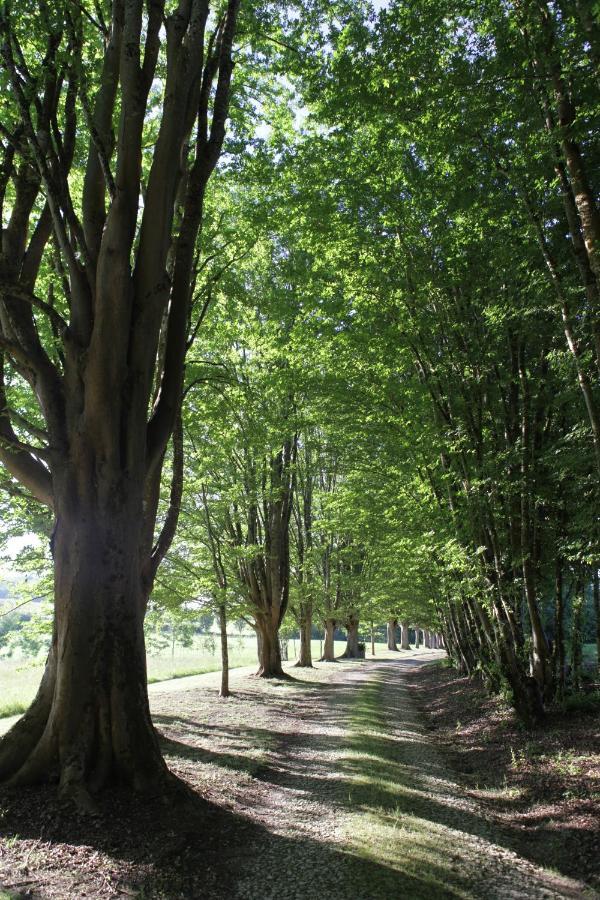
19	678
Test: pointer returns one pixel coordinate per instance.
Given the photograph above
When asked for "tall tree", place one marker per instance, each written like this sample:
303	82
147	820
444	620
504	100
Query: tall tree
95	299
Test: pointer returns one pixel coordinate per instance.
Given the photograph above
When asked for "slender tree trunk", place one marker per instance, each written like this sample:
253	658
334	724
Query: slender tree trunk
404	644
596	587
391	634
577	633
351	651
305	625
224	692
372	639
328	648
559	629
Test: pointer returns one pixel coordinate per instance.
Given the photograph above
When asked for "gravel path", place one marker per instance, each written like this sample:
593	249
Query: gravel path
326	832
328	785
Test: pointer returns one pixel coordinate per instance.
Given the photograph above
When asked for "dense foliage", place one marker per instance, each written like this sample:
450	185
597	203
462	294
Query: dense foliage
384	280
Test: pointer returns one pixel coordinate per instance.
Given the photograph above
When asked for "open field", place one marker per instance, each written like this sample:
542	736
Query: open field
19	678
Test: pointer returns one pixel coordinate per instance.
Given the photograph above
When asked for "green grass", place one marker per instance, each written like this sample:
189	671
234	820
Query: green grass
392	826
19	678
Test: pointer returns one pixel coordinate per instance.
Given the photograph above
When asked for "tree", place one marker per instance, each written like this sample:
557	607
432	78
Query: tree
96	291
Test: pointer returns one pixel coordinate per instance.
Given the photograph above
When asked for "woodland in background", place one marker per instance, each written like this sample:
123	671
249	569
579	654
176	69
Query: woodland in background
336	365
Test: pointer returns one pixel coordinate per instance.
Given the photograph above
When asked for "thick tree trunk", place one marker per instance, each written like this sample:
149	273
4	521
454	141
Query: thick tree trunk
391	634
90	722
417	636
404	642
224	691
305	625
351	651
372	639
269	649
328	648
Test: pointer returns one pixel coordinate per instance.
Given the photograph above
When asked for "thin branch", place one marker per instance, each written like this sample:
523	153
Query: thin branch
20	293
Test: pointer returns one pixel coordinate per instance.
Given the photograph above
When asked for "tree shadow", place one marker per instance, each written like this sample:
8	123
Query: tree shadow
200	849
193	849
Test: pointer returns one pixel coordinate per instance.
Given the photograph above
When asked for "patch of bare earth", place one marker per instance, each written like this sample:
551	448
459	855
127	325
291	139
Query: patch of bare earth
540	787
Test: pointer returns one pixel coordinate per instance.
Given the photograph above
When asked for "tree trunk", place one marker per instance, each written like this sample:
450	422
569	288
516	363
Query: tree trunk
269	649
305	625
404	642
329	647
224	692
351	651
559	630
577	633
372	640
596	584
90	721
417	636
391	634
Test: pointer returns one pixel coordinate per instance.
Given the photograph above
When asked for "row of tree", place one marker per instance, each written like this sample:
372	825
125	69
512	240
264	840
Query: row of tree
351	349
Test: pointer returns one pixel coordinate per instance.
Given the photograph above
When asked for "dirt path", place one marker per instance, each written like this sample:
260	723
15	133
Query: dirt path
327	824
329	785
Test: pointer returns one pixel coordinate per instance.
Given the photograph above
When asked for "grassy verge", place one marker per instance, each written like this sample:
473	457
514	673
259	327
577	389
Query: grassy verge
20	678
541	785
392	825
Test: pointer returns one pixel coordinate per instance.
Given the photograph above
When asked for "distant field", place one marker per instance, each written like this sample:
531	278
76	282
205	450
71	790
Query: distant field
19	678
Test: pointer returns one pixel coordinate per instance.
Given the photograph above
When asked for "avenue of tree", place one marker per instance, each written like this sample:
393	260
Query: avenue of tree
300	315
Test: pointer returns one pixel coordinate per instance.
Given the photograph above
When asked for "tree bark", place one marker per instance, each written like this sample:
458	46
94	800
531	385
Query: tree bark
305	625
329	646
596	590
404	643
559	630
90	722
351	651
391	634
224	691
577	633
269	649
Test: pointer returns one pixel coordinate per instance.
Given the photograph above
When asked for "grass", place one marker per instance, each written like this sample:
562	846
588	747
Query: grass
389	827
410	813
20	678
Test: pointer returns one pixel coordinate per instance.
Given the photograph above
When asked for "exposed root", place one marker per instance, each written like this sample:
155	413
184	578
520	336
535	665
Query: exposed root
274	676
78	795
